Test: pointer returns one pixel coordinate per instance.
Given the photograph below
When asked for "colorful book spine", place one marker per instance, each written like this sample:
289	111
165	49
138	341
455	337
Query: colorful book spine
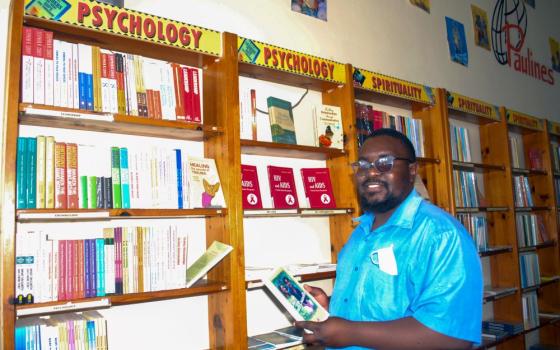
41	158
21	183
39	66
179	163
72	175
31	172
49	69
60	193
49	171
100	264
124	177
116	177
27	67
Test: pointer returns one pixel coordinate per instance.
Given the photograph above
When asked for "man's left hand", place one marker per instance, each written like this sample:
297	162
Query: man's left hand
331	332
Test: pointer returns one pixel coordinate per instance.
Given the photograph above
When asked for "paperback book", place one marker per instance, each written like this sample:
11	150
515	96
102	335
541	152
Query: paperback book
281	121
293	297
250	189
318	187
212	256
327	122
205	189
282	187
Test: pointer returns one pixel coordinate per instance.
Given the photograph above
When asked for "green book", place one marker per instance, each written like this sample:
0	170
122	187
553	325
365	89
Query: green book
84	194
116	177
281	121
92	189
216	252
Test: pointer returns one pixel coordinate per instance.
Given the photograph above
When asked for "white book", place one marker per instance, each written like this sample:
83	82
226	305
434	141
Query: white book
105	83
75	82
64	69
211	257
27	66
167	108
39	66
109	255
49	69
130	73
45	247
294	298
113	94
328	127
57	78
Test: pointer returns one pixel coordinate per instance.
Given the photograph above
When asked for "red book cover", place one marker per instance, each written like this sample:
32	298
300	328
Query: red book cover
62	270
71	280
27	65
178	83
72	175
119	71
80	293
377	120
150	102
187	95
318	187
282	187
157	105
60	197
194	84
250	189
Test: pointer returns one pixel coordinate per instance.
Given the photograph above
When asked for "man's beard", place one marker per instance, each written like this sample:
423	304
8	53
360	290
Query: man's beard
379	207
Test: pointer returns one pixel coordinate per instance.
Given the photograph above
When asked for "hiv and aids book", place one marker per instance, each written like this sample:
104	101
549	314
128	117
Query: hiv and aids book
293	297
250	189
318	188
282	187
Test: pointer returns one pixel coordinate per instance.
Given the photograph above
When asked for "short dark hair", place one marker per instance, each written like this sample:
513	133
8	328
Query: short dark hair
402	138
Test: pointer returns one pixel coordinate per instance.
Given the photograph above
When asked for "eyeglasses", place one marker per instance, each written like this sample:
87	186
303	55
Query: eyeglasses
382	164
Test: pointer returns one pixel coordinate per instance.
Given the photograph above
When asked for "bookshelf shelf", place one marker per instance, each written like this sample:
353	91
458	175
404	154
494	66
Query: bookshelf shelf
551	280
531	209
462	210
272	149
303	212
495	251
519	171
96	214
62	306
538	246
481	166
76	119
491	295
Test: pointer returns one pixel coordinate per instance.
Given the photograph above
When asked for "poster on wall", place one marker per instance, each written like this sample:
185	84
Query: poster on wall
481	28
457	41
313	8
530	3
423	4
555	54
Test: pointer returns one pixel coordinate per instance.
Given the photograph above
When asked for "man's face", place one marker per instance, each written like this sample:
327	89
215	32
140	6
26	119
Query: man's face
381	192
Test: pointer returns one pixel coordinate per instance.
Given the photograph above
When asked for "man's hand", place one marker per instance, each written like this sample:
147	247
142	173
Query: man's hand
319	295
332	332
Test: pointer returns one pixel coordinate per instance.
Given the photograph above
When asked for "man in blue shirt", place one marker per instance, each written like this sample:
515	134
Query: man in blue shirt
409	277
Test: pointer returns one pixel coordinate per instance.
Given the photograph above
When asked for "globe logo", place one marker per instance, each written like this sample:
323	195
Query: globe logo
509	25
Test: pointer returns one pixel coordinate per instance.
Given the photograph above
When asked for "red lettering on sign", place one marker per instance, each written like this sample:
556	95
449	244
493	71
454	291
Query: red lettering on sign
83	11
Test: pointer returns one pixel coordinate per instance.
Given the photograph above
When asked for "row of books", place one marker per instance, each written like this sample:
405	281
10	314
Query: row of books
531	230
555	152
86	330
278	125
522	189
477	225
460	145
516	151
529	267
530	305
62	175
54	266
80	76
498	329
466	189
316	182
368	119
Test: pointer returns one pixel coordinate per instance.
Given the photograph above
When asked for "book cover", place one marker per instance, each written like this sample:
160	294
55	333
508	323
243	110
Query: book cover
250	189
328	127
212	256
318	187
205	189
282	187
60	194
281	121
27	66
293	297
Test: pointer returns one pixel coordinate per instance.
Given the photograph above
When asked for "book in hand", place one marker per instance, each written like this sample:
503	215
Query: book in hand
205	189
328	127
211	257
250	189
282	187
281	121
293	297
318	187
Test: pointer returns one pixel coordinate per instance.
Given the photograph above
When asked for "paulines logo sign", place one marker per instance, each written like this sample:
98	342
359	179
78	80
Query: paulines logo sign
509	30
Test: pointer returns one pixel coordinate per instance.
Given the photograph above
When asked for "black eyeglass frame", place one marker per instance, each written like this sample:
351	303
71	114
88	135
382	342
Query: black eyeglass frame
362	166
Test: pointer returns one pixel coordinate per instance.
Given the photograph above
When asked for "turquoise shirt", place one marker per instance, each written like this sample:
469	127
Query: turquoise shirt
438	278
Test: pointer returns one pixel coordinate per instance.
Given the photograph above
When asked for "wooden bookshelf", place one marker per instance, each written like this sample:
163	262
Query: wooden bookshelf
272	149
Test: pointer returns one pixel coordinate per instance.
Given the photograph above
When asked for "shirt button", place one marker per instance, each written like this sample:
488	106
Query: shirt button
356	268
345	300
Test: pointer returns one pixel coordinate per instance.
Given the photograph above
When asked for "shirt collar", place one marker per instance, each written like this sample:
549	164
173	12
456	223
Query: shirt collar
402	217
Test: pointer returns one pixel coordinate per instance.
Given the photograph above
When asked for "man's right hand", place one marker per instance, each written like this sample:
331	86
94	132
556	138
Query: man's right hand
319	295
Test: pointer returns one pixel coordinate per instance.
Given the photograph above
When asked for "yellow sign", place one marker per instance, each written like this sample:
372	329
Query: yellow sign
99	16
256	52
524	120
392	86
554	128
472	106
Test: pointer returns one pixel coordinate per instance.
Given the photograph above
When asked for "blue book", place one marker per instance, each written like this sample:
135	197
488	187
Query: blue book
89	92
82	90
91	334
32	173
21	176
87	270
125	182
20	338
92	267
100	257
179	179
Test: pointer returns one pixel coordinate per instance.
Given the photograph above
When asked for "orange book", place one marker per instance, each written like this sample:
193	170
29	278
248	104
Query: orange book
72	175
60	195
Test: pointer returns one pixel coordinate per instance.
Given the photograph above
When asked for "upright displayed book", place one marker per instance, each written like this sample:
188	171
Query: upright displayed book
250	190
205	189
281	120
282	187
318	188
327	122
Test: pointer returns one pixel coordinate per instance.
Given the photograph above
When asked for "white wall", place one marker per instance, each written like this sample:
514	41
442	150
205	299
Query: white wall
391	37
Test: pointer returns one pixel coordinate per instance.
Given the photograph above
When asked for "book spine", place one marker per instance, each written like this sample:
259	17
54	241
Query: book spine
100	258
99	191
80	291
119	72
21	181
27	65
187	94
62	270
92	189
84	192
39	66
41	158
31	172
49	171
72	175
179	169
116	177
108	196
61	199
112	76
75	83
118	261
196	95
87	270
49	69
124	177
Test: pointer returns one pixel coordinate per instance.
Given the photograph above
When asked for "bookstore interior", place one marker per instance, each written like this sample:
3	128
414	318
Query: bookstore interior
173	175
